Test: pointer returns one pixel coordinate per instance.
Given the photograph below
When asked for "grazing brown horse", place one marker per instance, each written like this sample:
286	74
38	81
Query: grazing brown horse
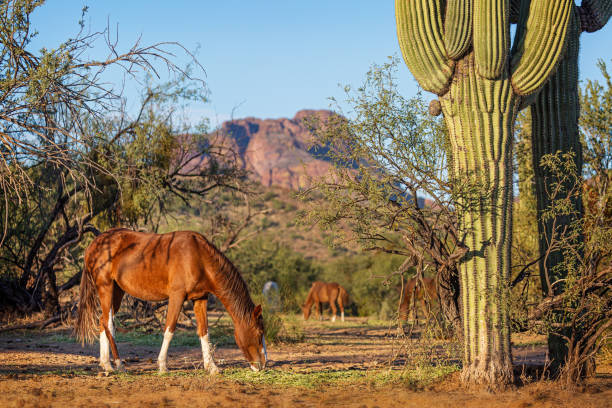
425	293
175	266
325	292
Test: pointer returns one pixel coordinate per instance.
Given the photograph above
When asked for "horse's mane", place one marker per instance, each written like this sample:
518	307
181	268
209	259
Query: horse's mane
232	286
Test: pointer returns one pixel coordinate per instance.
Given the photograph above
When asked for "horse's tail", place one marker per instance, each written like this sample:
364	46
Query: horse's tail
86	328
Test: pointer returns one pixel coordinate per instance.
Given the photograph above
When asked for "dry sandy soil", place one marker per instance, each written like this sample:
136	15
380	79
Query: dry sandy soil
41	369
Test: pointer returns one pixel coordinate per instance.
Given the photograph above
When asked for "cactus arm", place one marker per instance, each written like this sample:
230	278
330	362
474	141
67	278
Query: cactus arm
419	33
491	36
594	14
540	46
458	28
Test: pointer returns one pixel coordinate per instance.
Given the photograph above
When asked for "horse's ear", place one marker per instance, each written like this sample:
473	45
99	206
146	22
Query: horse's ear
257	312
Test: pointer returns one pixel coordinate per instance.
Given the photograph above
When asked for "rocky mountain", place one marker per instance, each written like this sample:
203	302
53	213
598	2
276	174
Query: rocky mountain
277	151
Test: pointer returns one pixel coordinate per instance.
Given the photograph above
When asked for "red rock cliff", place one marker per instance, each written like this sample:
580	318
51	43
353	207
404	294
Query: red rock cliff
276	151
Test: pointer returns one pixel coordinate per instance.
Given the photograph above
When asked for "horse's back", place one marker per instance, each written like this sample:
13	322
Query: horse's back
148	265
330	291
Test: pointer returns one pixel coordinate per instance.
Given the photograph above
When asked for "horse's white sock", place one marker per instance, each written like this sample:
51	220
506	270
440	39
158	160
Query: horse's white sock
163	354
104	356
209	362
342	315
333	318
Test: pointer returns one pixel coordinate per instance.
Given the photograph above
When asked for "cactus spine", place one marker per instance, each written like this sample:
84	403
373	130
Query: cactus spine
554	116
464	57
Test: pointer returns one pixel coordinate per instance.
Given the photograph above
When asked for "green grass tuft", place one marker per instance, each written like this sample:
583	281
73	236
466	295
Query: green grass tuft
416	377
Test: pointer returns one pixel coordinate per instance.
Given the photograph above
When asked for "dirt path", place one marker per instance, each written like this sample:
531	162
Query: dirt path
51	370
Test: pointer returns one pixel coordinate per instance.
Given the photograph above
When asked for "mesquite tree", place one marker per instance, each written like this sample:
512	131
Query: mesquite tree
460	50
397	156
555	129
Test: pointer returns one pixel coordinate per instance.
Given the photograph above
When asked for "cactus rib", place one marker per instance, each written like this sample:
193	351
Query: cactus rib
458	28
491	36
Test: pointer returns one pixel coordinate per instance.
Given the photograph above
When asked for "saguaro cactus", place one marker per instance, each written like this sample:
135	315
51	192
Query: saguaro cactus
554	117
460	50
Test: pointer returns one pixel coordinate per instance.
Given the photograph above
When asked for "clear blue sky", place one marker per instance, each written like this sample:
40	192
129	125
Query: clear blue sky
267	58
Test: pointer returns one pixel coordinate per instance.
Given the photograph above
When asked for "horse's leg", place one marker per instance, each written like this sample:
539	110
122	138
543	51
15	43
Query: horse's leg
341	307
117	297
175	302
332	305
106	323
199	307
318	306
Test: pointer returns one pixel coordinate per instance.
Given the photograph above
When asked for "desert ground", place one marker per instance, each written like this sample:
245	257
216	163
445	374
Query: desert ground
360	363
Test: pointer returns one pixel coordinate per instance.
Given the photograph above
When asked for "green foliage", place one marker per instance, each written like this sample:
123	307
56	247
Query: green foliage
596	125
261	260
282	328
578	314
372	289
389	151
389	155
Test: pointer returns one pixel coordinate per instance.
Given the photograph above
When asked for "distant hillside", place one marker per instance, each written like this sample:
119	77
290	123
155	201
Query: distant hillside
276	151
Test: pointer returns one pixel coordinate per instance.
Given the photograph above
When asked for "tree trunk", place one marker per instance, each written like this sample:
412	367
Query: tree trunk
449	293
50	295
480	115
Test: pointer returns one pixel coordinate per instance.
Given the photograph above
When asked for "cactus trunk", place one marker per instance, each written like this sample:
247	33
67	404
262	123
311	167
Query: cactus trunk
480	129
460	50
555	129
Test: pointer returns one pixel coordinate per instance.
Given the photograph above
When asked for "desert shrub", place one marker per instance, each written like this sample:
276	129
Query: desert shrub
261	260
279	328
269	195
273	325
277	204
372	288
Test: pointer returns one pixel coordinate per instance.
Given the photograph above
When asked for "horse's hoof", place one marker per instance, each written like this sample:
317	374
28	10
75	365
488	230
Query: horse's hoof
162	370
107	368
120	367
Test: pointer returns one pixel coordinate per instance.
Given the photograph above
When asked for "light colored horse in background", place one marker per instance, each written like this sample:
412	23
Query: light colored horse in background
271	296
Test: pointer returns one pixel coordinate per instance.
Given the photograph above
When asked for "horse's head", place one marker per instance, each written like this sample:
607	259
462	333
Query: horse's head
250	339
306	312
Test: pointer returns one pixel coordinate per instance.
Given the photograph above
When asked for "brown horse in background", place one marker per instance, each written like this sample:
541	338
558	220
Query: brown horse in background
425	292
176	266
325	292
